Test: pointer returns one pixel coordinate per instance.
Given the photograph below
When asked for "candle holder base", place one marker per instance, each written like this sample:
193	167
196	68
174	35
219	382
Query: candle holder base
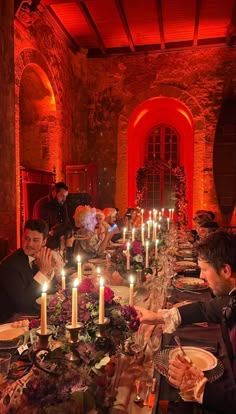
102	327
102	341
73	341
43	338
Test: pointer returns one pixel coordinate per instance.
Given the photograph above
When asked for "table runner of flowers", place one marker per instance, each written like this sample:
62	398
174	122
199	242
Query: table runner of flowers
61	386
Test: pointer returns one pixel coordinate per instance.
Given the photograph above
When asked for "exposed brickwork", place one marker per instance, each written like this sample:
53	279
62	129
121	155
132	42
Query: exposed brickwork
195	77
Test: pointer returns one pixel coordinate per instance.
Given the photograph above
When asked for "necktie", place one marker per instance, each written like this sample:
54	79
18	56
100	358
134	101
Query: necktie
34	268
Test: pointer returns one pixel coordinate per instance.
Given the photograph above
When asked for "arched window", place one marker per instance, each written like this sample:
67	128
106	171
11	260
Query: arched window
162	144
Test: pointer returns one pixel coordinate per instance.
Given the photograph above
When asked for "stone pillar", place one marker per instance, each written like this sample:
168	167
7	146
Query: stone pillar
7	124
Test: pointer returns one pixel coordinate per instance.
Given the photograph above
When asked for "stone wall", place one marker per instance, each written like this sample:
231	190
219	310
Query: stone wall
118	84
51	114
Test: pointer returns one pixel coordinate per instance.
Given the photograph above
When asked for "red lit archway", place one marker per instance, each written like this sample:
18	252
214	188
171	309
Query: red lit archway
147	115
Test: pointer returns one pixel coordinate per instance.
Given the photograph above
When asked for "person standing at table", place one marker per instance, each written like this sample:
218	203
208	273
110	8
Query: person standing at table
52	208
24	271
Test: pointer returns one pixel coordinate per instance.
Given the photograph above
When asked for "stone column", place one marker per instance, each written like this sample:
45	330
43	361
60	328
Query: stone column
7	124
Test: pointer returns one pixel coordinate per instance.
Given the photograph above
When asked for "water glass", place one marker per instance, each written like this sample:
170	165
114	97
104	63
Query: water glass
5	359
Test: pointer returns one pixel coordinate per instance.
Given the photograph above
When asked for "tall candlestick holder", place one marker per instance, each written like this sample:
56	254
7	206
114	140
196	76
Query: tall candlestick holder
43	339
73	341
102	339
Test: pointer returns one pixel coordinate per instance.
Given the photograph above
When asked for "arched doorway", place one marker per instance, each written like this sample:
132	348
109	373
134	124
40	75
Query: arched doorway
37	121
150	113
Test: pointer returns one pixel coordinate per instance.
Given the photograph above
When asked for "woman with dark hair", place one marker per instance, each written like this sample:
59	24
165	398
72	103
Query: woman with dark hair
61	239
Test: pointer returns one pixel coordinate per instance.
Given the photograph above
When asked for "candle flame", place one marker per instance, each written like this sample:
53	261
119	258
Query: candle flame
131	279
157	242
76	282
128	245
147	243
44	288
101	281
63	272
98	270
78	258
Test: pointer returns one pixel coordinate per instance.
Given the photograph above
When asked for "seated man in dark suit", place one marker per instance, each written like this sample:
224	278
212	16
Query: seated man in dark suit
23	272
52	208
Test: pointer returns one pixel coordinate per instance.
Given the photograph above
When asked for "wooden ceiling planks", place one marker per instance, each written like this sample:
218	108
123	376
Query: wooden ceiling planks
108	27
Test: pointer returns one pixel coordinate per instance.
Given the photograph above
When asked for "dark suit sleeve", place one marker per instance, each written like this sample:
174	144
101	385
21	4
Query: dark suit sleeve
19	287
41	211
217	398
204	311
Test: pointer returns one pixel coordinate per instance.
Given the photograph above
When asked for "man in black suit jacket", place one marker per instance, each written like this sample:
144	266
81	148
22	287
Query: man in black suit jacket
217	261
52	208
23	272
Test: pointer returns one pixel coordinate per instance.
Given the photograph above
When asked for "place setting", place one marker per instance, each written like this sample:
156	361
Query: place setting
200	356
189	284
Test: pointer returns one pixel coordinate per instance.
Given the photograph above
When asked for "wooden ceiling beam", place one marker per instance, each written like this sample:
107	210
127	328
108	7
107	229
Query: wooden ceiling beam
198	8
54	2
125	24
160	22
52	17
83	8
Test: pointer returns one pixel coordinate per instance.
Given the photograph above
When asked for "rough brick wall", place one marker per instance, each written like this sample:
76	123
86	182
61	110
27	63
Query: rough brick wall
196	77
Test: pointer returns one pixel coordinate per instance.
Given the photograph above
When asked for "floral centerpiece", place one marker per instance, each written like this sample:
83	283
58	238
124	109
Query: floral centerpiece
119	258
56	384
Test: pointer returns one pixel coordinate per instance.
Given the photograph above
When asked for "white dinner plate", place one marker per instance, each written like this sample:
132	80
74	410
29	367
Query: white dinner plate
10	333
203	359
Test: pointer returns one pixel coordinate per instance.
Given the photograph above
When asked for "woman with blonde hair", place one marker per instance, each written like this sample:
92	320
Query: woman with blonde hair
89	243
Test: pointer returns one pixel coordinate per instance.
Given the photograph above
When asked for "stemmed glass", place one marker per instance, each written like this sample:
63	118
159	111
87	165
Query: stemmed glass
154	342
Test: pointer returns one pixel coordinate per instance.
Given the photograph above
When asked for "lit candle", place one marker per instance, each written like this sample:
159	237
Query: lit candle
133	233
127	256
154	232
156	246
44	309
147	258
74	322
101	302
172	213
149	228
142	211
79	268
124	234
150	214
154	214
168	223
142	234
131	291
63	280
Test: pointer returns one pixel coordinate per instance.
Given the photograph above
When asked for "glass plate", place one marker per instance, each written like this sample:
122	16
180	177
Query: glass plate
161	361
97	261
190	283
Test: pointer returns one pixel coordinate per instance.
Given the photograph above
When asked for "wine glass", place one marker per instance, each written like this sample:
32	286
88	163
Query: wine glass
139	345
154	342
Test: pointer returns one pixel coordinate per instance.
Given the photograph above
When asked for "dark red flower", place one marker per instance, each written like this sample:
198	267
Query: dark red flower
108	294
86	285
